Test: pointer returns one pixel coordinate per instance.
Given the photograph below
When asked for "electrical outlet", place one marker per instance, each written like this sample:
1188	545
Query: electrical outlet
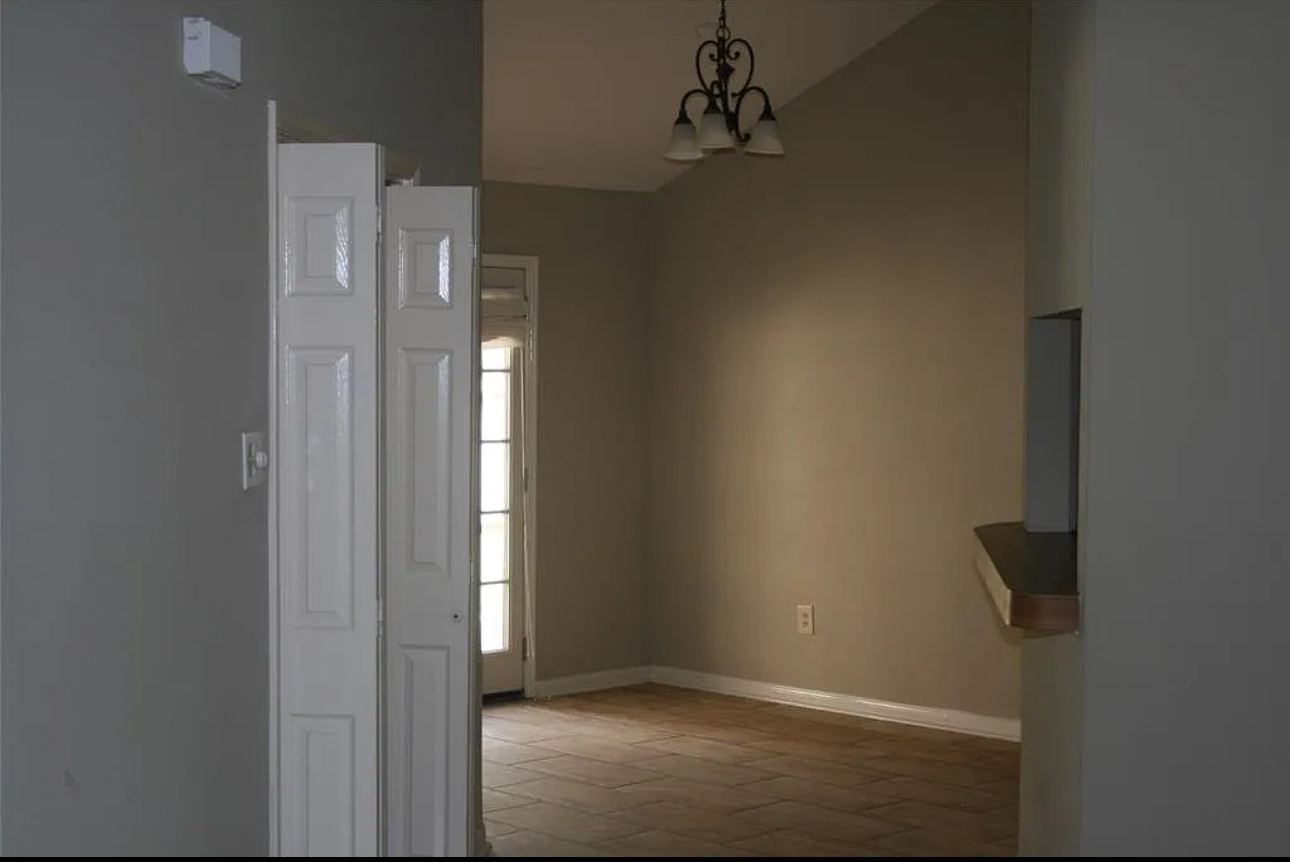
806	619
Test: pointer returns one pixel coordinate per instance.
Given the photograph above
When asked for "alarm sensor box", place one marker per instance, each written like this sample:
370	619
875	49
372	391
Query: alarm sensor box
212	55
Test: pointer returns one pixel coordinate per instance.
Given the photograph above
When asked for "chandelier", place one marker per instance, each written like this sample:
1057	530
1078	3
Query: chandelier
719	125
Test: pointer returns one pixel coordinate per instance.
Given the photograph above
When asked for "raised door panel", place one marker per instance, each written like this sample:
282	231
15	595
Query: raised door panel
326	666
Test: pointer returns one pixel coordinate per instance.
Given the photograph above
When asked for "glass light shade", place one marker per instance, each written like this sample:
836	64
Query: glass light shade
764	138
713	133
684	145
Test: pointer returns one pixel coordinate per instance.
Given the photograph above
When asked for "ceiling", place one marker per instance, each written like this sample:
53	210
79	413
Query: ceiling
583	92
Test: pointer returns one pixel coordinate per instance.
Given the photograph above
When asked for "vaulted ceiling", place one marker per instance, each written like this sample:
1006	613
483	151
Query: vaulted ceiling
583	92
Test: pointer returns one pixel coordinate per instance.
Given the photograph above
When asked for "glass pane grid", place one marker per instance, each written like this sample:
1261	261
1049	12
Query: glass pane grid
495	548
495	358
494	611
494	477
495	406
497	383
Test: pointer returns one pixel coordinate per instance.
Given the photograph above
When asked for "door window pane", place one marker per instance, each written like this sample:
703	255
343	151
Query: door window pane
494	548
494	477
493	631
495	358
495	413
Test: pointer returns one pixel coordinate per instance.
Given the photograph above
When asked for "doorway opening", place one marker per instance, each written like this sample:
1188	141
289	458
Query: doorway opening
507	472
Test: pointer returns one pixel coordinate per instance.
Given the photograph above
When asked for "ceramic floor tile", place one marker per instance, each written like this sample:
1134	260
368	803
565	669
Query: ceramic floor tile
525	843
709	749
812	748
924	842
819	793
662	844
496	800
615	711
932	770
576	794
617	730
518	731
959	755
697	794
938	794
526	712
815	770
721	732
693	822
969	824
786	842
511	753
1008	788
708	771
567	824
658	771
598	748
586	769
497	775
812	820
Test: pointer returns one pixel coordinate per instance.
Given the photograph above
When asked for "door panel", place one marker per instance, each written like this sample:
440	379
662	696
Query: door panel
431	428
326	439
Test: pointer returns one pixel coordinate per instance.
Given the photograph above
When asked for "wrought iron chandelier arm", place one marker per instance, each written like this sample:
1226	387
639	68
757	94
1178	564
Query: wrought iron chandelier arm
735	54
739	103
697	91
752	88
698	64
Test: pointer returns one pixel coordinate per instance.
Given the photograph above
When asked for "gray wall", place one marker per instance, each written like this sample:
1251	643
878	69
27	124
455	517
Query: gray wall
1187	575
591	416
134	351
1058	263
835	378
1061	163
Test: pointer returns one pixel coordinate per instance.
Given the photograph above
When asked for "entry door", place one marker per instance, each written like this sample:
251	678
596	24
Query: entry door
431	517
325	662
502	521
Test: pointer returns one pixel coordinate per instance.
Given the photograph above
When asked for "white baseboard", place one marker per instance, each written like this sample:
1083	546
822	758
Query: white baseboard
850	704
616	678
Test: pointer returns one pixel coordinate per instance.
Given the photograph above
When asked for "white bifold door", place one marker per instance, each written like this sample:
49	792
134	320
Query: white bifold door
375	718
432	425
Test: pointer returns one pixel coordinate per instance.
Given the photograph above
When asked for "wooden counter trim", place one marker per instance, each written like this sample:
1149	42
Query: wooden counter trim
1030	576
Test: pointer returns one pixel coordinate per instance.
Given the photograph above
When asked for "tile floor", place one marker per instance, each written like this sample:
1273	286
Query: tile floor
657	771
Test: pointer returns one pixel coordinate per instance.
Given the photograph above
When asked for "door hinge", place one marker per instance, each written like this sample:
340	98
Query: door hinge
380	618
524	648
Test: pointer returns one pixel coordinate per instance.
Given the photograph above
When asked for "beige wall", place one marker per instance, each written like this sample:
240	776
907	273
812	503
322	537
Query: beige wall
835	378
590	517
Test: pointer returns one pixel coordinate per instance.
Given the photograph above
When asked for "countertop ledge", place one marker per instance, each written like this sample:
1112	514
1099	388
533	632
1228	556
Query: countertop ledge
1030	576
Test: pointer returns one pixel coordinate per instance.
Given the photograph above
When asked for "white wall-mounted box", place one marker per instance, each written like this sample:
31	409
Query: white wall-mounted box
212	55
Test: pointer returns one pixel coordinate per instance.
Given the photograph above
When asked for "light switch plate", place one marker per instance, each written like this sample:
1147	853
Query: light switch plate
255	460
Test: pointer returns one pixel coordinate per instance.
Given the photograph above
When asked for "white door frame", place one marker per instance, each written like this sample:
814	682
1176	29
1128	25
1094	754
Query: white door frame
271	443
528	424
1	575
